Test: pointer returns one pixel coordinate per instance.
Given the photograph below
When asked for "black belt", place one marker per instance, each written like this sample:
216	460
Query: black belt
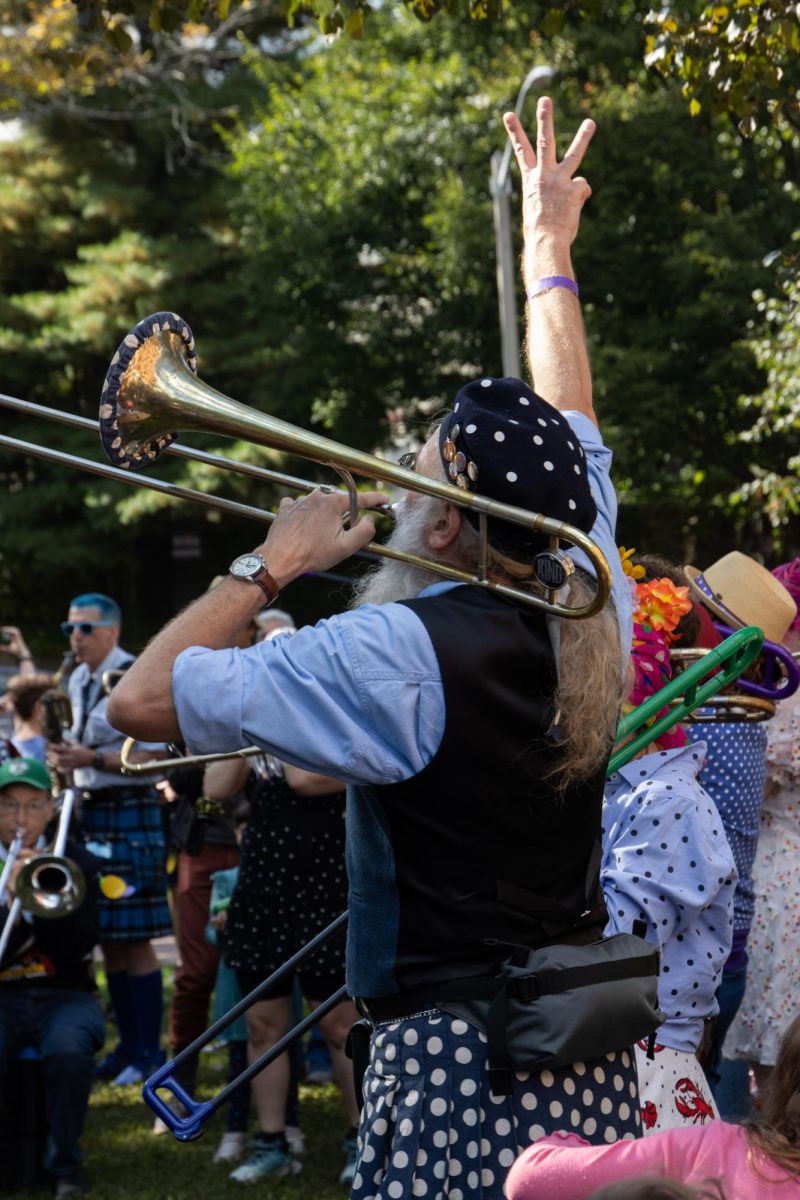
419	1000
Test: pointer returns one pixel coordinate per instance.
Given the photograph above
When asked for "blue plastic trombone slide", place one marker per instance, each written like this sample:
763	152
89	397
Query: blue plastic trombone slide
189	1127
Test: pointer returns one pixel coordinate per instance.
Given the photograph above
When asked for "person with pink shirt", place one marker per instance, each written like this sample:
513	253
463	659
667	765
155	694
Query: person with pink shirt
756	1161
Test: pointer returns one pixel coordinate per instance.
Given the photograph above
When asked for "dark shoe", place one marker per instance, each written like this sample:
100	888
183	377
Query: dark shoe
110	1066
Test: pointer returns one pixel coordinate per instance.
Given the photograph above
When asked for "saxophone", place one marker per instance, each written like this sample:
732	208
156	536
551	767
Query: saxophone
57	719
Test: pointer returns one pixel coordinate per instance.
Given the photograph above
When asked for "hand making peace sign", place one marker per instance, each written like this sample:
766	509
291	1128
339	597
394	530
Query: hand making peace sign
552	195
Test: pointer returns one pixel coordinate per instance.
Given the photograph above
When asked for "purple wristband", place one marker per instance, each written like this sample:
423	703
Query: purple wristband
553	281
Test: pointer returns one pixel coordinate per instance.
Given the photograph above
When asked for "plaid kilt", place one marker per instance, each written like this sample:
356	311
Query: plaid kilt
122	826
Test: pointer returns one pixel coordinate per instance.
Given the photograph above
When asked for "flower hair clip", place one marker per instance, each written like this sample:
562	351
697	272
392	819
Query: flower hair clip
660	605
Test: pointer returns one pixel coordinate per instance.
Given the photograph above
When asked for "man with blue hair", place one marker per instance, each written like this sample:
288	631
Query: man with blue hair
121	822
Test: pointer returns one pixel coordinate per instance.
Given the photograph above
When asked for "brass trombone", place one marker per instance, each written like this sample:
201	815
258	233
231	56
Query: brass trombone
686	691
151	391
158	392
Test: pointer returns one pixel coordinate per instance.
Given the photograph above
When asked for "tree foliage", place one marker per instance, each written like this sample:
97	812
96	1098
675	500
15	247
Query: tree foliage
775	486
741	58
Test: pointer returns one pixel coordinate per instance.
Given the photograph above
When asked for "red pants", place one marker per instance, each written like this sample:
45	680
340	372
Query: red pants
197	974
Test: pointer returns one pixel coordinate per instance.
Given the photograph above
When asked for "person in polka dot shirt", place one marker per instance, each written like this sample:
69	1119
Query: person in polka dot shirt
667	862
473	733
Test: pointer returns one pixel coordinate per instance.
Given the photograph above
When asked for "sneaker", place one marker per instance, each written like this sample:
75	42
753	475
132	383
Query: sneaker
112	1064
350	1147
231	1147
296	1139
128	1076
70	1187
266	1158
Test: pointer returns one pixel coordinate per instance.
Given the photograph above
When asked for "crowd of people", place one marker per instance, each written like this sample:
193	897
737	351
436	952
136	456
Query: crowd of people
551	971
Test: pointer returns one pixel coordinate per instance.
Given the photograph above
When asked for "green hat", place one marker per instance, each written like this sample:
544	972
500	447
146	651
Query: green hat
25	770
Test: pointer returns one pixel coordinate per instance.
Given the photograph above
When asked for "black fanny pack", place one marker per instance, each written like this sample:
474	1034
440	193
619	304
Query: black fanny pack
561	1004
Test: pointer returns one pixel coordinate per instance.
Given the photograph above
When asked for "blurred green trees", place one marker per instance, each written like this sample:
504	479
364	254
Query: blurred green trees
320	215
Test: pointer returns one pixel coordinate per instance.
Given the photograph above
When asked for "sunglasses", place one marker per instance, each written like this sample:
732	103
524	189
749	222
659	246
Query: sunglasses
409	461
85	627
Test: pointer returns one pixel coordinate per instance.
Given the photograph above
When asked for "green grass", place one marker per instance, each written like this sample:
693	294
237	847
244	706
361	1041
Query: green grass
124	1159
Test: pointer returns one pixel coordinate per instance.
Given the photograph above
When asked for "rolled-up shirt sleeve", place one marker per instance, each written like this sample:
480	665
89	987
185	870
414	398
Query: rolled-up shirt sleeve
358	697
604	530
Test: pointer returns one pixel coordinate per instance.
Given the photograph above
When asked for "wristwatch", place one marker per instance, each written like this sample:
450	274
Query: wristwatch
251	568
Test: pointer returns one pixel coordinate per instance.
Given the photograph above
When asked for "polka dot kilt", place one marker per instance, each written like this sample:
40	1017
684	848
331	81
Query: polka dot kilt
431	1127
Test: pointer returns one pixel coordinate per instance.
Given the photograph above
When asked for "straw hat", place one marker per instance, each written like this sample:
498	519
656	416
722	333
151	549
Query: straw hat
739	591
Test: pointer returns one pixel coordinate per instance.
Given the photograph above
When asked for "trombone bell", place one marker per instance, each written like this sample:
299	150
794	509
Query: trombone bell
50	886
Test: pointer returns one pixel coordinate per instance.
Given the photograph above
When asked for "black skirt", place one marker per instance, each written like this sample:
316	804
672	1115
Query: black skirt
292	880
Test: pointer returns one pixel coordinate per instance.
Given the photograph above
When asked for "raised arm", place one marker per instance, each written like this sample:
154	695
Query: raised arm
552	201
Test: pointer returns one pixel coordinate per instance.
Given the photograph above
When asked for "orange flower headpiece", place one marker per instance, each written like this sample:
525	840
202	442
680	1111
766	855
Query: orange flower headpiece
659	608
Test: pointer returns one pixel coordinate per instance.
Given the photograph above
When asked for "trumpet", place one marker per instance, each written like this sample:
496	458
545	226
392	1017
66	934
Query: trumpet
693	687
57	718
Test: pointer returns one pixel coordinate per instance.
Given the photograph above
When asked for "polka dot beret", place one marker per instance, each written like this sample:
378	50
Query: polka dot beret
505	442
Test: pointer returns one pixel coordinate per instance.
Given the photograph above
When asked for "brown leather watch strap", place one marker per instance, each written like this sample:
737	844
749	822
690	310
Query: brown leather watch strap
267	584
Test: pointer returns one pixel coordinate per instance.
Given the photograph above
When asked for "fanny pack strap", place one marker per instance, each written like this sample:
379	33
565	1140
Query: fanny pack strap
547	983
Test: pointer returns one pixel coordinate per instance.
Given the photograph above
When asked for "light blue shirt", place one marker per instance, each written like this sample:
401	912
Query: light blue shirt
98	733
359	695
666	861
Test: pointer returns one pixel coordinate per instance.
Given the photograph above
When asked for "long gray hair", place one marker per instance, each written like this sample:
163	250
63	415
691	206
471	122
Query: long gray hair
591	679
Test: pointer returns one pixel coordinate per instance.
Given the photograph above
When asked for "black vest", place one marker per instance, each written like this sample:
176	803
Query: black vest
486	851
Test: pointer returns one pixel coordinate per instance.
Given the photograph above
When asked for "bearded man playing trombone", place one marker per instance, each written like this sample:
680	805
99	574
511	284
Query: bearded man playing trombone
47	999
473	732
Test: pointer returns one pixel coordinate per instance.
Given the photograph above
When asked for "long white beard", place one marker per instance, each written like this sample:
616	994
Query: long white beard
392	580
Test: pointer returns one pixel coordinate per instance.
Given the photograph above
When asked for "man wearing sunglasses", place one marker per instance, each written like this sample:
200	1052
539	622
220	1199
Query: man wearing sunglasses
121	821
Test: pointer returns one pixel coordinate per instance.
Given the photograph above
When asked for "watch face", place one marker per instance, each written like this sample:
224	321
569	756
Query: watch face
246	565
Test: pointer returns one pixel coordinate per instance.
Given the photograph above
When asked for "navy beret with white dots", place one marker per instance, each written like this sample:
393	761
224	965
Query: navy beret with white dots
503	441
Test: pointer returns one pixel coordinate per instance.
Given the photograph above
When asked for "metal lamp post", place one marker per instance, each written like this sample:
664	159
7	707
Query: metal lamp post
500	188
